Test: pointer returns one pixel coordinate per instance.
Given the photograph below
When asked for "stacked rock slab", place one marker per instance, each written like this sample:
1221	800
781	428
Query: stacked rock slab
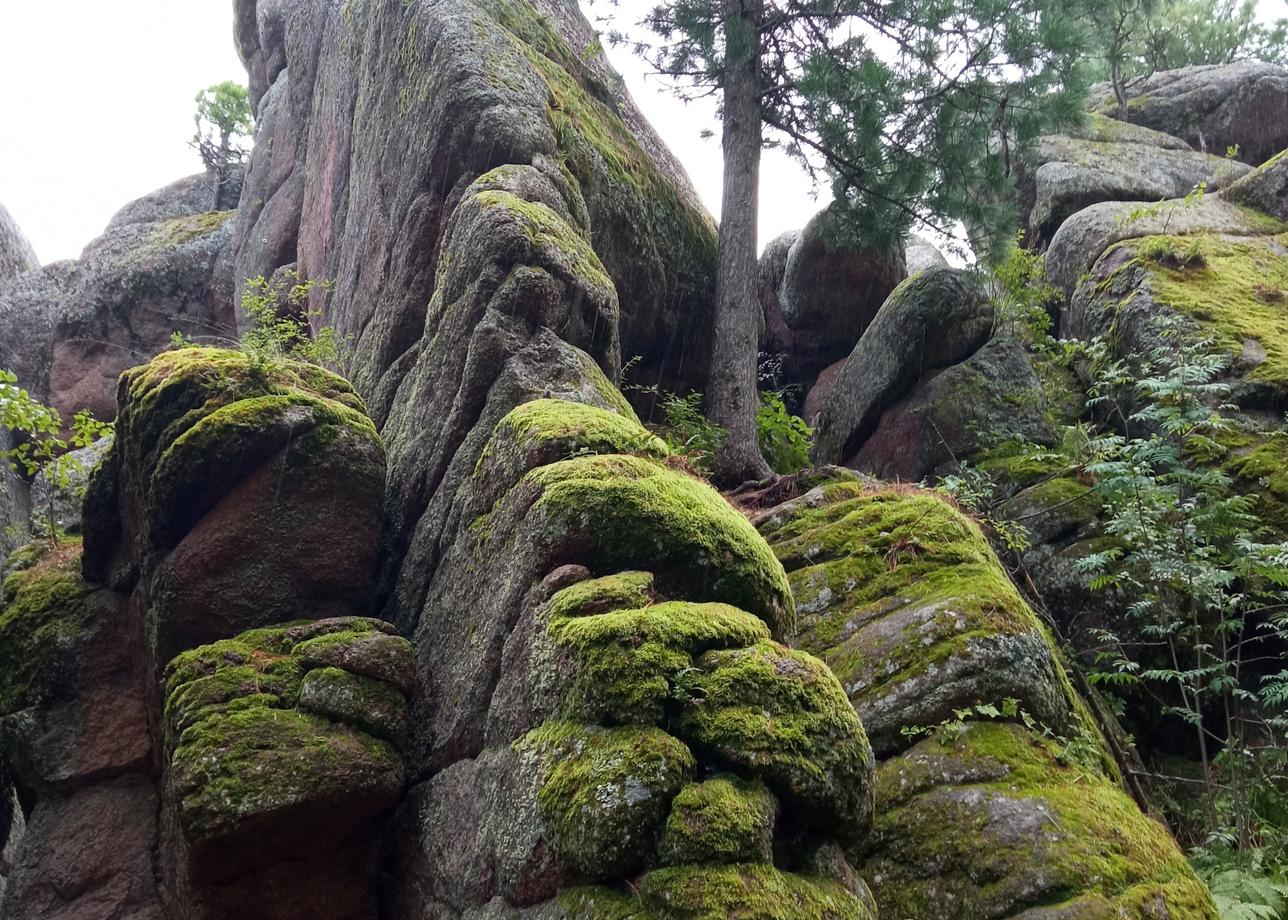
1214	271
175	753
1108	160
1012	812
611	725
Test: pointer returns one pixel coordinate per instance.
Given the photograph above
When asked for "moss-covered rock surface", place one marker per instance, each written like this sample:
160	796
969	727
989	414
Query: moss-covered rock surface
268	746
996	794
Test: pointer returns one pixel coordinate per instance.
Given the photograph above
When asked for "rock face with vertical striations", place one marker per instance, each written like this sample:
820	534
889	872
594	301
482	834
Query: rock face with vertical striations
461	638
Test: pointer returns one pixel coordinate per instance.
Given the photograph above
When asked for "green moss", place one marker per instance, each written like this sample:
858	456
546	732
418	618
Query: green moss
751	893
721	820
589	902
625	590
259	764
587	429
641	513
632	662
552	237
607	792
42	617
241	747
1011	463
376	707
861	553
952	828
1236	288
781	716
185	229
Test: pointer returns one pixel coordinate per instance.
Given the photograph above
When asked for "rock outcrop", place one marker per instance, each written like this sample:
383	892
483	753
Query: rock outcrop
16	253
461	639
1110	161
930	382
1213	107
818	295
981	816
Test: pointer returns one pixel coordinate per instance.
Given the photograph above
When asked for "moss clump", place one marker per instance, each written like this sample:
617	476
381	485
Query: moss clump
42	617
754	892
607	792
722	820
376	707
632	663
623	591
260	765
1012	464
1234	288
781	716
996	822
635	512
583	428
556	241
182	230
264	726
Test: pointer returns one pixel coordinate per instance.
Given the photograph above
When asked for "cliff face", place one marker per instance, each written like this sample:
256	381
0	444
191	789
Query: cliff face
460	639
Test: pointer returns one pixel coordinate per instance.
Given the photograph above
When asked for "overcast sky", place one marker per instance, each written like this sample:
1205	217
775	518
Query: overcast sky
97	101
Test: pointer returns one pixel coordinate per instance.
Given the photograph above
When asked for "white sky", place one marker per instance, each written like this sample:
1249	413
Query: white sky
96	102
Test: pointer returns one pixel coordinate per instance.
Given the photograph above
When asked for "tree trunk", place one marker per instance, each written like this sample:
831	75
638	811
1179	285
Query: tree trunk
731	392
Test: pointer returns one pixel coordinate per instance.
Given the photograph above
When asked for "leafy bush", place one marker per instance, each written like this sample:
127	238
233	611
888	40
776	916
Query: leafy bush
280	322
1023	299
784	439
41	445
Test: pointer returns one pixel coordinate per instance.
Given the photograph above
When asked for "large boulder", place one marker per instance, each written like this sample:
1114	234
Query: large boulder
932	321
374	117
161	267
1213	107
1248	207
828	294
996	794
1110	161
16	253
611	700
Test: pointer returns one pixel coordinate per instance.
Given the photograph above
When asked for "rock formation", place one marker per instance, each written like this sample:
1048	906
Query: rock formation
461	638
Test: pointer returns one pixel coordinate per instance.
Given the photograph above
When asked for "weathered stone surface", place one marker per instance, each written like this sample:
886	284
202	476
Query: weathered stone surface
243	495
931	321
955	413
566	723
1085	237
373	119
1067	174
985	817
829	295
996	824
268	755
920	254
1213	107
56	501
16	254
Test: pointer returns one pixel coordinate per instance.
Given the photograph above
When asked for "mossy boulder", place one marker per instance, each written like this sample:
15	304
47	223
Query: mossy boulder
42	615
931	321
904	599
721	820
632	511
997	822
607	793
239	491
268	750
754	891
779	715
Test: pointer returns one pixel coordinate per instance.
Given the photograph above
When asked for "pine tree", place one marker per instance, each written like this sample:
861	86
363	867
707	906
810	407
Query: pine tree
914	110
